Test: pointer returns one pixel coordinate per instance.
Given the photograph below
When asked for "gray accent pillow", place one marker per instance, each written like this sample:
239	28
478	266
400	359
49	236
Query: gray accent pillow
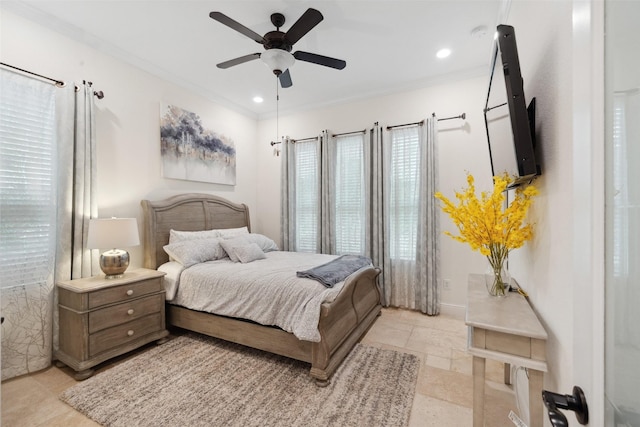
230	245
190	252
249	253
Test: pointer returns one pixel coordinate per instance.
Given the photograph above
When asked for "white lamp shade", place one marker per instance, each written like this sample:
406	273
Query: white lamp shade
277	59
113	233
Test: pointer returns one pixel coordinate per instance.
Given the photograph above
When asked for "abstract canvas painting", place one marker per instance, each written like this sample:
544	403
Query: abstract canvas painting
193	153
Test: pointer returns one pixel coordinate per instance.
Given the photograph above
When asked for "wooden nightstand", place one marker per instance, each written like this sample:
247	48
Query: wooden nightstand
103	318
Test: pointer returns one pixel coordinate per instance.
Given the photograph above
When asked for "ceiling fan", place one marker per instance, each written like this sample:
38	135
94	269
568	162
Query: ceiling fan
278	45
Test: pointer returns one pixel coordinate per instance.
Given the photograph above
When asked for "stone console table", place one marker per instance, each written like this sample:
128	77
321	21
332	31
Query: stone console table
507	330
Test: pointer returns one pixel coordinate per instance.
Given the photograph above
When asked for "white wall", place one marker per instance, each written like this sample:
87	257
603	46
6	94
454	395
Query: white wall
462	148
545	265
127	120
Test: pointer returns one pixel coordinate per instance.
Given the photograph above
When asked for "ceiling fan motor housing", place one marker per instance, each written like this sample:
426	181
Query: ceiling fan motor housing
276	40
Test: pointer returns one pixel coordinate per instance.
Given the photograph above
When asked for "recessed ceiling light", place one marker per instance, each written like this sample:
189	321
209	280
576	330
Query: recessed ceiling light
443	53
257	99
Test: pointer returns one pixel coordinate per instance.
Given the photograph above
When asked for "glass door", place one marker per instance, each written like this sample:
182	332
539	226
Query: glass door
622	349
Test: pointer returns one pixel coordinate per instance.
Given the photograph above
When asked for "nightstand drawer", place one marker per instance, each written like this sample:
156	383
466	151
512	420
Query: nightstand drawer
122	334
122	313
124	292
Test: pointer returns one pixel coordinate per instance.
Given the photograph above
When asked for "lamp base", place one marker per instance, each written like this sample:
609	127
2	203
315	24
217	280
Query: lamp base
114	263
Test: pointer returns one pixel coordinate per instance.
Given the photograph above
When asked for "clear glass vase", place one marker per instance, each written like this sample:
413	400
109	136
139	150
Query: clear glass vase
497	279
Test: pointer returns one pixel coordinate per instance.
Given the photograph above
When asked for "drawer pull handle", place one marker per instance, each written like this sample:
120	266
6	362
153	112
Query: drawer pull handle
130	292
130	311
130	332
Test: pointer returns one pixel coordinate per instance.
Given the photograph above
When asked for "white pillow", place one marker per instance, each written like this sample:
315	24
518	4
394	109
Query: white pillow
231	232
230	245
265	243
248	253
176	236
192	252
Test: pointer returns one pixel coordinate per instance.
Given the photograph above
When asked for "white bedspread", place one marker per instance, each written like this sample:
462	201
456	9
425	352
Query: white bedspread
265	291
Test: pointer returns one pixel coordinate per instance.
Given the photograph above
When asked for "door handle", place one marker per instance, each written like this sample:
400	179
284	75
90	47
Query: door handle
575	402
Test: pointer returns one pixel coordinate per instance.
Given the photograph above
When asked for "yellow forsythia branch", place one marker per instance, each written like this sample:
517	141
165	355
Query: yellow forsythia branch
483	224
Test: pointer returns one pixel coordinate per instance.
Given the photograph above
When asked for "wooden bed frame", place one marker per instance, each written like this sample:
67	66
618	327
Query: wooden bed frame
342	322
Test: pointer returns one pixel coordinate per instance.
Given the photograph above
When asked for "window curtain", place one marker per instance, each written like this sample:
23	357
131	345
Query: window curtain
410	244
326	181
375	198
404	219
301	195
427	291
48	176
77	177
27	231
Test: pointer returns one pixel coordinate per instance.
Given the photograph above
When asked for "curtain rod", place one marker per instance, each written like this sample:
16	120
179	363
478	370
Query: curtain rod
349	133
461	116
58	83
303	139
406	124
272	143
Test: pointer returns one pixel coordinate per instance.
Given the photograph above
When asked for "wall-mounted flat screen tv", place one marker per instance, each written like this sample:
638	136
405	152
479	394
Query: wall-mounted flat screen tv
510	124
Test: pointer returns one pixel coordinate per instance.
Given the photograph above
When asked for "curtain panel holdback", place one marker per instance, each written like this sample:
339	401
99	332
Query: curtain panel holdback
97	93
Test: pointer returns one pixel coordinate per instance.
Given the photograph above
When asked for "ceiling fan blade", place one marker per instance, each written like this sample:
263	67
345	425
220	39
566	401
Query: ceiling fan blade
224	19
237	61
285	79
338	64
303	25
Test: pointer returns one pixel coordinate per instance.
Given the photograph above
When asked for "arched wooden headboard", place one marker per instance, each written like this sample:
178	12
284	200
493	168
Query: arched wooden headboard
186	212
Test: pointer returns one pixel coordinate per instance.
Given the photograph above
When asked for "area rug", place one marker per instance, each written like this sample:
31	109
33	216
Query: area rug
195	380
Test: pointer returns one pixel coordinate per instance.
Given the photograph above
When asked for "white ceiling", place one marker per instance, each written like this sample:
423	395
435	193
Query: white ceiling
389	46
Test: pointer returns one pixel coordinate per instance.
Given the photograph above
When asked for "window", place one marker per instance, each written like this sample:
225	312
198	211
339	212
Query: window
350	197
27	181
307	195
403	154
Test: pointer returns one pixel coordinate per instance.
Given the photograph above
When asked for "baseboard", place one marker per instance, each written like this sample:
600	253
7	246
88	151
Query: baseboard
457	311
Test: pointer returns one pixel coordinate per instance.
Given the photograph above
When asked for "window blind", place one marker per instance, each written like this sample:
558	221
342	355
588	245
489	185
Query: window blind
307	179
404	151
350	215
27	181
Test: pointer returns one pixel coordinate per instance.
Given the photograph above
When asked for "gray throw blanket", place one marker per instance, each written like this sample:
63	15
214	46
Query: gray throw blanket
337	270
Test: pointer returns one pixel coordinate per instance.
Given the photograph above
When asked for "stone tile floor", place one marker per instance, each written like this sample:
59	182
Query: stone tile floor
443	392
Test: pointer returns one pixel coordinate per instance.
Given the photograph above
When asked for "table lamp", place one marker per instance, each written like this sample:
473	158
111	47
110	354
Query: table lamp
113	233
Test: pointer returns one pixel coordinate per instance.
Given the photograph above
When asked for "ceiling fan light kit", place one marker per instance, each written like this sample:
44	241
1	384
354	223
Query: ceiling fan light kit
278	44
277	60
